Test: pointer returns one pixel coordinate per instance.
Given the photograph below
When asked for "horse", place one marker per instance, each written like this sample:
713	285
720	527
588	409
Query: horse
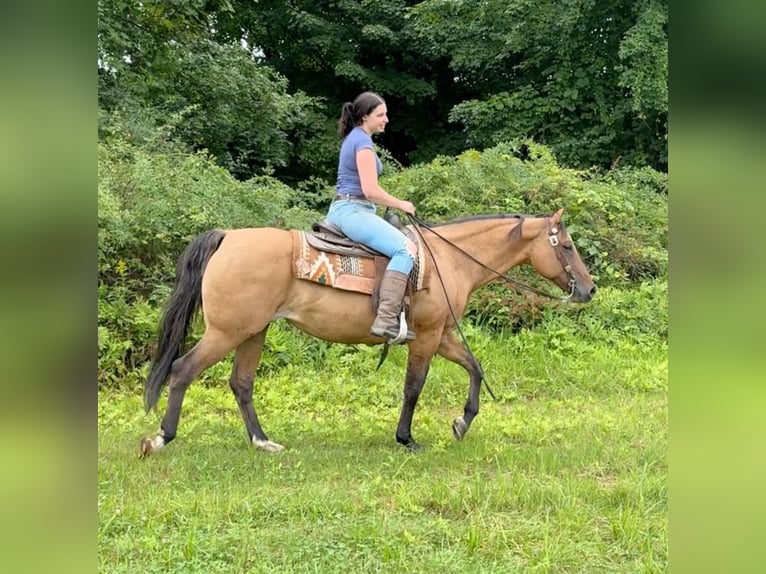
242	280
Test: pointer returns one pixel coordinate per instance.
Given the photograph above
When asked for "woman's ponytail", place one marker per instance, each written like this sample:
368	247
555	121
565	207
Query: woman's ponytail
346	122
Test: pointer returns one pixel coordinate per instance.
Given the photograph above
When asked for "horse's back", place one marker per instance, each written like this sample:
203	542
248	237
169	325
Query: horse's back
252	251
248	234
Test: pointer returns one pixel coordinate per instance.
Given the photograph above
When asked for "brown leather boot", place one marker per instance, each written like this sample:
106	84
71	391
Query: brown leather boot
392	289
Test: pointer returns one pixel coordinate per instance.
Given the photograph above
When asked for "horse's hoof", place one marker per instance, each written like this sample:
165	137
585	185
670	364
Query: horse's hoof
410	445
414	447
459	428
150	445
267	445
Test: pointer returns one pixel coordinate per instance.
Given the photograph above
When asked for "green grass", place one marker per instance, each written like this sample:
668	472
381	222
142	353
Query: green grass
565	472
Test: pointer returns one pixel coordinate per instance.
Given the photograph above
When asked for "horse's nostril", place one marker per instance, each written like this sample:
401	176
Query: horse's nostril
593	290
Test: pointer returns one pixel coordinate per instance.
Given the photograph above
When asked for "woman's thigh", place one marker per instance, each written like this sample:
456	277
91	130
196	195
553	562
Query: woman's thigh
362	224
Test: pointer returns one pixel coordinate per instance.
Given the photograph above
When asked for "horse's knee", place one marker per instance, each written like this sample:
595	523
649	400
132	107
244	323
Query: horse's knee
237	384
242	389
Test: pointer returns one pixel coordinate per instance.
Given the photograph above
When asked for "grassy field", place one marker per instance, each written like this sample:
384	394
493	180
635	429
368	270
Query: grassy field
565	472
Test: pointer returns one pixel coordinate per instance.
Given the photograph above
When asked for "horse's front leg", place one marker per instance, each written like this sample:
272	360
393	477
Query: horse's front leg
418	362
417	371
453	350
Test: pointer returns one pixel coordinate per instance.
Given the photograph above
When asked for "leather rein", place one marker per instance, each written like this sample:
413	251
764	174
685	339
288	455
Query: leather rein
553	238
558	249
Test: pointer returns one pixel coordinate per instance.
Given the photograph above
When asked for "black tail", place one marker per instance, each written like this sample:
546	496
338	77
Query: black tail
179	311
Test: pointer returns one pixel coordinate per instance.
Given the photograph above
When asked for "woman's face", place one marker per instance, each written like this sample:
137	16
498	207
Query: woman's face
375	122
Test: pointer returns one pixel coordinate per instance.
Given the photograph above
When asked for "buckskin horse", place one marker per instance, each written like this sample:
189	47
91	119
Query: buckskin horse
243	279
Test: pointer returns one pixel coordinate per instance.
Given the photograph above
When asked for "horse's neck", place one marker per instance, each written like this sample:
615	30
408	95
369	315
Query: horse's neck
488	241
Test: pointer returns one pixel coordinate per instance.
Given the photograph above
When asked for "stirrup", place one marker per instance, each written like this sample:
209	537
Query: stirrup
404	334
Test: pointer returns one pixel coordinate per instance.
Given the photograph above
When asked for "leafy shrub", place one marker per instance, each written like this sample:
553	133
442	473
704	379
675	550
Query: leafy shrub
496	308
638	315
154	198
618	220
151	204
126	334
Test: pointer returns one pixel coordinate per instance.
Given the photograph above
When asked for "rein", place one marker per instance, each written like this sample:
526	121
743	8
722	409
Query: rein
517	285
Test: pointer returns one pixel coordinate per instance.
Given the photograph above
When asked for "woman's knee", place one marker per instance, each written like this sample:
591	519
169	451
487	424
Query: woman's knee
411	248
402	260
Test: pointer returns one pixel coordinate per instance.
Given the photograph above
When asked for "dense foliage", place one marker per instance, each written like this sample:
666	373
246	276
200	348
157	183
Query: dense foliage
221	113
154	197
259	84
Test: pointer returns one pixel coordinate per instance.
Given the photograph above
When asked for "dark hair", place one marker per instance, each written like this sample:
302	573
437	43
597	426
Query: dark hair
352	113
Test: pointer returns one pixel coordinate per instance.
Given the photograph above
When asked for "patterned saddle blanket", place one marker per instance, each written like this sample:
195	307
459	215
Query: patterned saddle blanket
322	257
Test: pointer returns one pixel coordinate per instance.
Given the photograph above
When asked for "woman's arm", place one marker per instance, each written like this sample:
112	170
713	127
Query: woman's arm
368	177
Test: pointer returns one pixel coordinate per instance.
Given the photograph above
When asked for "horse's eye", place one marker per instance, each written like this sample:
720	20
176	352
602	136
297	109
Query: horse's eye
568	247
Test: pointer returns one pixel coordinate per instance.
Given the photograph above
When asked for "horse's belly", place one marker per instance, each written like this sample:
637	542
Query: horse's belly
332	315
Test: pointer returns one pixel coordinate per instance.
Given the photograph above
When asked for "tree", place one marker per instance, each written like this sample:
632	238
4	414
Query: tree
260	84
334	50
588	78
160	65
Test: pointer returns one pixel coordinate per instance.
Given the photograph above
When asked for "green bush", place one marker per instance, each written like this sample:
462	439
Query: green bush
617	219
152	200
155	197
151	204
127	329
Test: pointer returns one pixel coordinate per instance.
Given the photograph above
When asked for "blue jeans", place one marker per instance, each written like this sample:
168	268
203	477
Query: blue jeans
359	221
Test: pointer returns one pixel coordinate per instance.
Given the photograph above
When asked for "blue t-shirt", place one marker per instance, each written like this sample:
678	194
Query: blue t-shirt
348	175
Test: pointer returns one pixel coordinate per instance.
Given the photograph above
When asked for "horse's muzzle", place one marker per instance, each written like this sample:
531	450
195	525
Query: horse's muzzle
589	294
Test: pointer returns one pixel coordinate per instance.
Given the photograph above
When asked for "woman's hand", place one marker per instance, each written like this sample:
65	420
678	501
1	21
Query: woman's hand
406	207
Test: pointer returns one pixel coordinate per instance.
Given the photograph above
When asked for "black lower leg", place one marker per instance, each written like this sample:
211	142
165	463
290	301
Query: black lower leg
412	388
180	379
244	396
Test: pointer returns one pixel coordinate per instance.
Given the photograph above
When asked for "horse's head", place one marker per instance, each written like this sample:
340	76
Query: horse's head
555	257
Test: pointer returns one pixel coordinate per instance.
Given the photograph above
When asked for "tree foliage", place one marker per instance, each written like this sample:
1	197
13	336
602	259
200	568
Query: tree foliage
159	65
260	84
584	77
335	50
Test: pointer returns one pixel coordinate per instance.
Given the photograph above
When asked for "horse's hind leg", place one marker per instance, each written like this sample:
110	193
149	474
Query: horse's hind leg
246	361
452	350
209	350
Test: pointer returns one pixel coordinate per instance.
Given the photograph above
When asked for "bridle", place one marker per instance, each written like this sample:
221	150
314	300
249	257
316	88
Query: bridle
558	249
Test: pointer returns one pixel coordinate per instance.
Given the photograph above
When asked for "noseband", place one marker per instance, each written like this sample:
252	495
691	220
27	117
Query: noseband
558	249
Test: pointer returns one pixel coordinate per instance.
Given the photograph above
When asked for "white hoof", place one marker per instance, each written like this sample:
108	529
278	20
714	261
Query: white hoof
150	445
267	445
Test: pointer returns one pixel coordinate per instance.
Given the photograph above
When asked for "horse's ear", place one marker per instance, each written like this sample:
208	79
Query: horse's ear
556	217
